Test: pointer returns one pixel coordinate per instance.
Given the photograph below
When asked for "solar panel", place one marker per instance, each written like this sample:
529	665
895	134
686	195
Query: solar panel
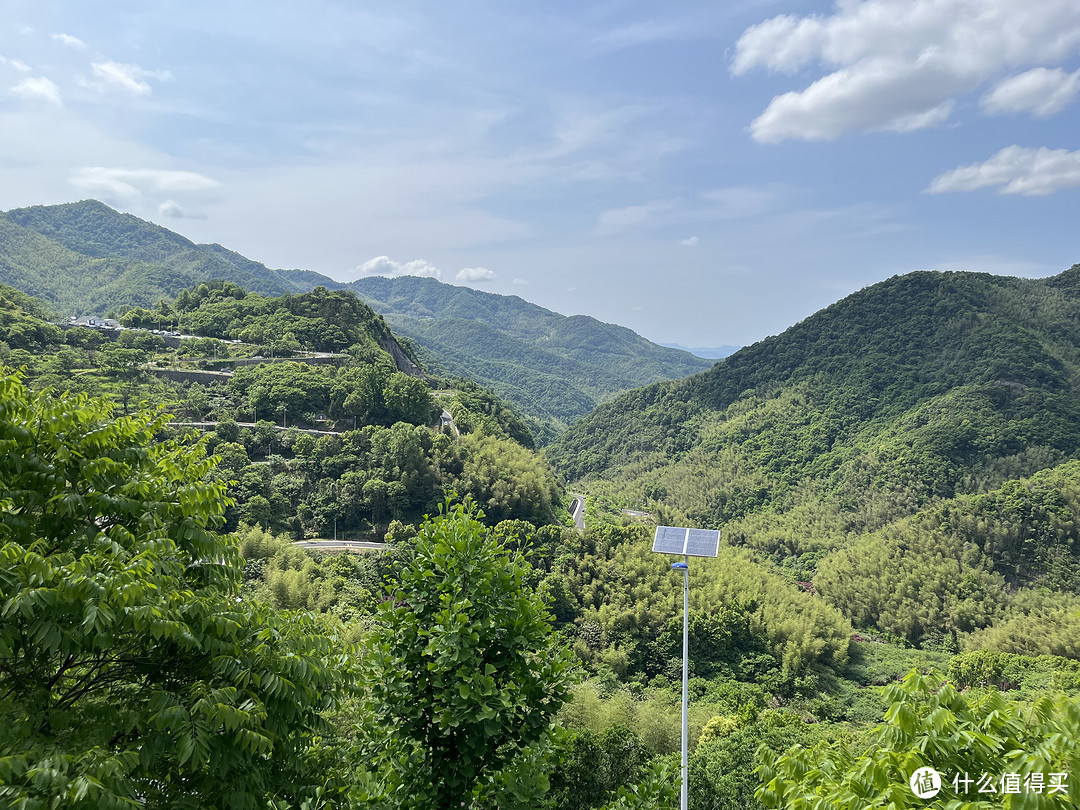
685	541
669	540
703	543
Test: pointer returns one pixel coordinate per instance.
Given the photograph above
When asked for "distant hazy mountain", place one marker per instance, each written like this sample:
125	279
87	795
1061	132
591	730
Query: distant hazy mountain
554	367
706	352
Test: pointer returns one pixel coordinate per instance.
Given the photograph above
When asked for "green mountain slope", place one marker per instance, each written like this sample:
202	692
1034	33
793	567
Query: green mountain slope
77	283
542	383
852	445
904	358
923	386
555	368
106	259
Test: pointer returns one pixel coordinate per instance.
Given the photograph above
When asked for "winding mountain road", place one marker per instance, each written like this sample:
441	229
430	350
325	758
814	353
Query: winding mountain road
577	512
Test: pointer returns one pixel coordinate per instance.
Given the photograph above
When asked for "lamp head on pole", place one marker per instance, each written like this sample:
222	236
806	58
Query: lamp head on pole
679	565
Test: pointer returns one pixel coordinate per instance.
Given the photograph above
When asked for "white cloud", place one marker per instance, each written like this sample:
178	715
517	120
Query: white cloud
691	241
897	64
173	210
876	96
126	77
70	41
1017	170
1042	91
520	282
385	266
38	89
127	185
17	64
617	220
921	120
474	274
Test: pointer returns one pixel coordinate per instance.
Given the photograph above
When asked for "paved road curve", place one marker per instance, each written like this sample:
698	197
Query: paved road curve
577	511
279	428
342	545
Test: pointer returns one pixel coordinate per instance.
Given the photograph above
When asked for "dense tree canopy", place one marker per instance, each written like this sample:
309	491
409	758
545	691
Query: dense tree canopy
464	670
988	751
132	674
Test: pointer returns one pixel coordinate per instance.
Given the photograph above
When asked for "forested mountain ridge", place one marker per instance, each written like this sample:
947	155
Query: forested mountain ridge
552	366
865	361
829	447
87	256
322	420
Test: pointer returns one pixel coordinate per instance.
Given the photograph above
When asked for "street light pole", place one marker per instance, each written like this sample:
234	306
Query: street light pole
685	568
687	543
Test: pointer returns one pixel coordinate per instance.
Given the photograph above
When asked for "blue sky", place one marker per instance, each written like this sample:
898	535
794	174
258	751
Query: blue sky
704	173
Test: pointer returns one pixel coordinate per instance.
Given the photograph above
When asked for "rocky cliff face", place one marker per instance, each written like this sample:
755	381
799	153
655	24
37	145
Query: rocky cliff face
401	359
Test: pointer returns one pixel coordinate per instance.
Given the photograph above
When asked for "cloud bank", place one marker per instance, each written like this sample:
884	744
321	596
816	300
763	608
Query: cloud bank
385	266
900	64
1015	170
1042	92
128	185
474	274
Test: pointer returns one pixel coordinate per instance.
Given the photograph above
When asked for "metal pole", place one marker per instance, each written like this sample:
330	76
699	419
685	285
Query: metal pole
685	683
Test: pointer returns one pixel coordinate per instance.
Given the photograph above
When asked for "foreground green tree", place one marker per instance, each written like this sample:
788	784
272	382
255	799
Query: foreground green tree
131	674
465	673
988	751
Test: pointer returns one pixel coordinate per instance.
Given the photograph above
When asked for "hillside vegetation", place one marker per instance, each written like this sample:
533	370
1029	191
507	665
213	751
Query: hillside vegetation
86	258
884	444
360	449
896	478
553	367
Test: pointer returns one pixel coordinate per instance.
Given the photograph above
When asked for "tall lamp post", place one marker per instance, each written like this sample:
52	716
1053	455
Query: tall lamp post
686	543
